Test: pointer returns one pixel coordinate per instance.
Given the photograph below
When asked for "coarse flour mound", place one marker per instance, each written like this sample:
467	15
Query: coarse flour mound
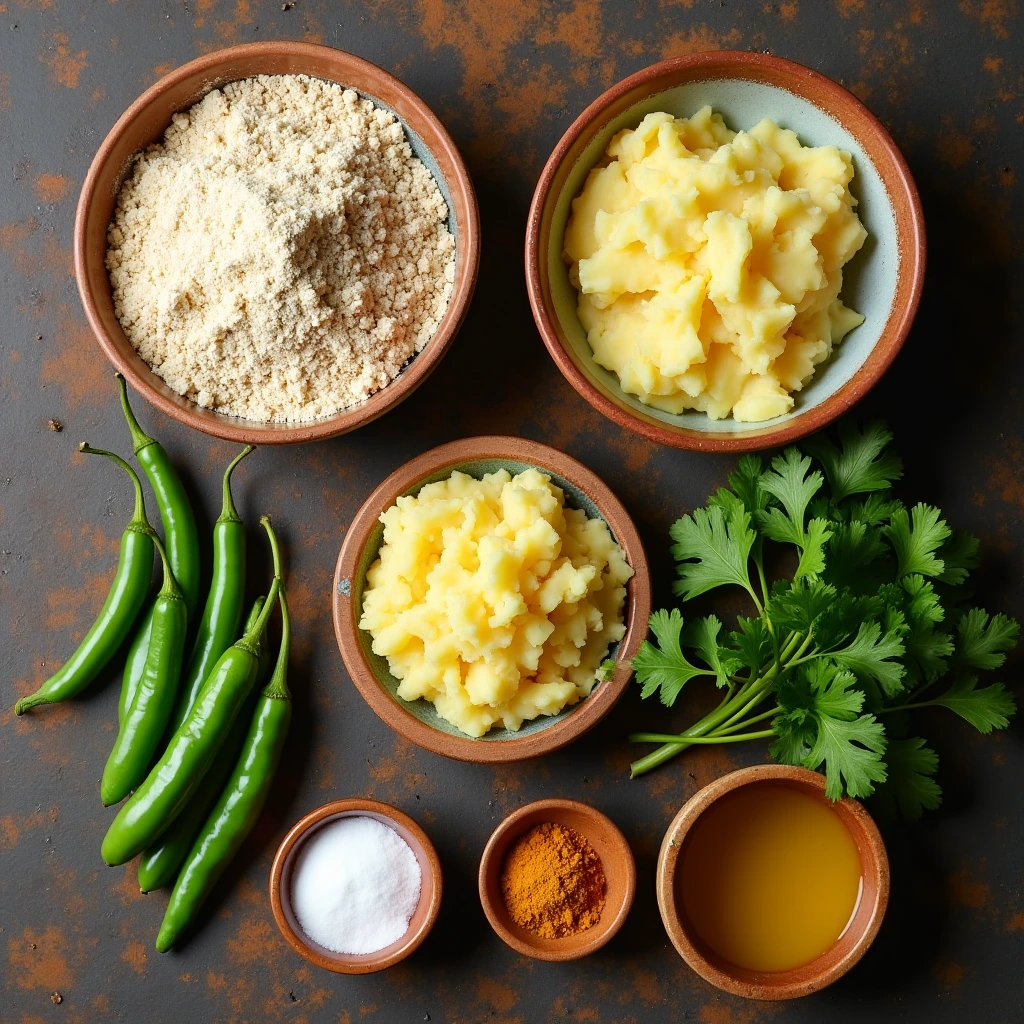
282	253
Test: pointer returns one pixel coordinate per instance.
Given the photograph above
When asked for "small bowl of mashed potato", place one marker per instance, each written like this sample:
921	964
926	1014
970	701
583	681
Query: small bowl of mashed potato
489	598
725	251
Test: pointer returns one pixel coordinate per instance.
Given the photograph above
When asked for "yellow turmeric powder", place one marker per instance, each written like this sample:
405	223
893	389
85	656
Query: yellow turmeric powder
553	882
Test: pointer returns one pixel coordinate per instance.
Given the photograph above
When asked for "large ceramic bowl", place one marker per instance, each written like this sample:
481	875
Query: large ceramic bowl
417	720
883	281
145	121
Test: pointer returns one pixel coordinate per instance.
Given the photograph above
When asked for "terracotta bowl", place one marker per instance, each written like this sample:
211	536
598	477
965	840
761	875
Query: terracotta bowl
616	859
422	919
883	281
851	945
417	720
145	121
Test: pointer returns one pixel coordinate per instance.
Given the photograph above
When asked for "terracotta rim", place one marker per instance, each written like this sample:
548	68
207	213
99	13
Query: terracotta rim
588	712
430	892
828	96
623	871
850	947
215	69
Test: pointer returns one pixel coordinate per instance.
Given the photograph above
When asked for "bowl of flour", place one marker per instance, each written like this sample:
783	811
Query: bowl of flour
277	242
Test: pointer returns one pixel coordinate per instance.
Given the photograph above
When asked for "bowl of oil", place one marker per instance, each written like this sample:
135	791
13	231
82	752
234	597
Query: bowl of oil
766	888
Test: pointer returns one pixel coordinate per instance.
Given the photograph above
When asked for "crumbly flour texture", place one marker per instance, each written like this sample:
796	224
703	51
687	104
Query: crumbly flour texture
282	253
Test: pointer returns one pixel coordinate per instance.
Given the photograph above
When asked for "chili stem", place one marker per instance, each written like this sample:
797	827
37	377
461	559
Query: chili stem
140	439
139	520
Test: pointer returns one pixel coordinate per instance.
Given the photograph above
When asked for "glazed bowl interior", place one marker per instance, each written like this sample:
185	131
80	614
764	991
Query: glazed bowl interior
616	861
848	948
144	123
422	919
418	720
881	281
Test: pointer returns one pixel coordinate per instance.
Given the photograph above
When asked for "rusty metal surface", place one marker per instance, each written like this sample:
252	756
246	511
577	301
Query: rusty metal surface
948	80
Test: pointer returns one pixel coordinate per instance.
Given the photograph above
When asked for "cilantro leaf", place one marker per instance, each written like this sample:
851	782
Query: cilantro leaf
927	649
791	482
664	670
986	709
860	464
982	642
849	744
812	558
959	555
874	509
909	788
745	480
872	655
851	551
796	606
712	547
752	643
916	540
702	635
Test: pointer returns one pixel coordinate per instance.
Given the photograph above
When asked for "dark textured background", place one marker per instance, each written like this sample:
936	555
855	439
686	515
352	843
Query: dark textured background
948	80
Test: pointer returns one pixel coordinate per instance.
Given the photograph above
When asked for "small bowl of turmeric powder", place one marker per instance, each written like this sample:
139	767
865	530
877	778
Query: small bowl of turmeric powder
557	879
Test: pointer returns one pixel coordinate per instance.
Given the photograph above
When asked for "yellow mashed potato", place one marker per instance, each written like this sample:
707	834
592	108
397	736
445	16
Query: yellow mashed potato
709	263
493	600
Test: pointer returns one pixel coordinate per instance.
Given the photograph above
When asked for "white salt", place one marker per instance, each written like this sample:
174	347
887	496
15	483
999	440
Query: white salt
355	886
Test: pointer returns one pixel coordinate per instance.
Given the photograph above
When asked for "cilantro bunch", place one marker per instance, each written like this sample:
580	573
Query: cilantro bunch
871	625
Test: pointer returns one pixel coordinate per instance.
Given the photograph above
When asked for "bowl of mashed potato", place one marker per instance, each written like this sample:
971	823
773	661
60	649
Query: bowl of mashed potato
725	252
489	597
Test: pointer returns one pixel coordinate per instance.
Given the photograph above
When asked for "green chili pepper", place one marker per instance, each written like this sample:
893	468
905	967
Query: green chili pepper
222	616
145	723
124	601
191	750
239	806
180	535
159	864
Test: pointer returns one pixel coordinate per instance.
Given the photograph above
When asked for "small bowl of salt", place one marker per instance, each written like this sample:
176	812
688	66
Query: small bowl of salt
355	886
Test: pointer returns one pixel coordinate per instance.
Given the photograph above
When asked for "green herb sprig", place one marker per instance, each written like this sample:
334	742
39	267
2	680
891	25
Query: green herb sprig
872	625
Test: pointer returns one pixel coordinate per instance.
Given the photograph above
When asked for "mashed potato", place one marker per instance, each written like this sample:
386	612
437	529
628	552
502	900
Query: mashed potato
709	263
493	600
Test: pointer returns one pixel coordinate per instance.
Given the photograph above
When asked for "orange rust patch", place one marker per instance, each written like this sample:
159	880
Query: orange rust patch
65	66
9	832
241	16
580	29
992	64
702	37
717	1013
101	1003
127	886
955	149
501	997
949	973
1006	477
41	957
51	188
993	14
5	95
77	367
788	12
969	892
14	234
1016	923
135	956
647	987
250	942
847	8
163	68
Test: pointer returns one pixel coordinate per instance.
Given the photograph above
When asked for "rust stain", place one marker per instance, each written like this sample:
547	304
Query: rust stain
955	148
501	997
101	1003
702	37
39	959
5	94
65	66
12	235
163	68
1016	923
127	886
250	942
51	188
9	832
968	892
994	15
949	973
1006	476
847	8
241	17
992	64
135	956
789	11
98	95
77	366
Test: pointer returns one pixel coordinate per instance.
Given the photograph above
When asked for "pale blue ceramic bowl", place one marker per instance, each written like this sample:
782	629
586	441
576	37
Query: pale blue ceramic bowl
883	281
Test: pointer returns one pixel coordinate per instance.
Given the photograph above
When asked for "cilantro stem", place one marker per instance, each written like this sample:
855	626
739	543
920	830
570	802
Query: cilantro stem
660	737
770	713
